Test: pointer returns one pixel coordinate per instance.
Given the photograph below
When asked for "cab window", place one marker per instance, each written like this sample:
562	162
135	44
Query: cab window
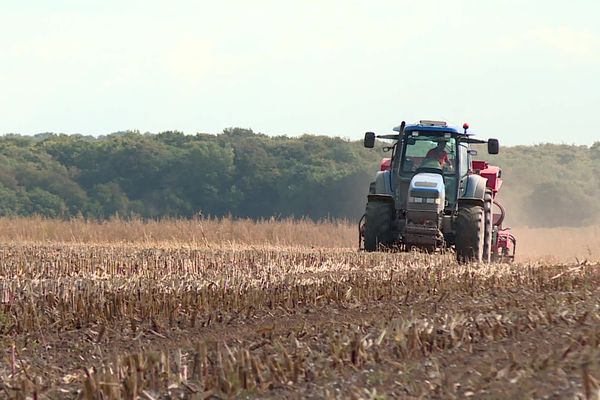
429	151
464	159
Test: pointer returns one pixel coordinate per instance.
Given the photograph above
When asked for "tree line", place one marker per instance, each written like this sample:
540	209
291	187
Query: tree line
244	174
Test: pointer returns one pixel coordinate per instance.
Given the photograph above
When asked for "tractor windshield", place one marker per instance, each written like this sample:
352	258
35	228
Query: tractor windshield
429	152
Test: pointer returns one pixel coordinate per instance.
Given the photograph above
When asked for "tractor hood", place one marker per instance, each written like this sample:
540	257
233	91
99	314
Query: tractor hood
427	186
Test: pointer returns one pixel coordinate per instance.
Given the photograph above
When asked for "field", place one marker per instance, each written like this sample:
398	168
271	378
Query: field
282	309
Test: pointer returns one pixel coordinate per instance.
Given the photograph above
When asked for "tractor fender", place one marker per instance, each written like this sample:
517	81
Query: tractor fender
383	183
474	190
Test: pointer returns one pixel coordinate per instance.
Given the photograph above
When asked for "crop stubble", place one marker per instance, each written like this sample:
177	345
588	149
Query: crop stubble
169	321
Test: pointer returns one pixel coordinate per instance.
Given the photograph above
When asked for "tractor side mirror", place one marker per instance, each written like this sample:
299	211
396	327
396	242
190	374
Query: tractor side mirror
369	140
493	146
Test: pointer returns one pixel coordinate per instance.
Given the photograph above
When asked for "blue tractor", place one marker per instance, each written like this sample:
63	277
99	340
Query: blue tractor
429	196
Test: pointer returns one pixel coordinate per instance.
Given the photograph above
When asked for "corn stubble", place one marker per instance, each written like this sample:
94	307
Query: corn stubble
161	321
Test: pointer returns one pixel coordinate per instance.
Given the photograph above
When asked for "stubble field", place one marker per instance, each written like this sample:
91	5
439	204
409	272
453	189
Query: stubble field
282	309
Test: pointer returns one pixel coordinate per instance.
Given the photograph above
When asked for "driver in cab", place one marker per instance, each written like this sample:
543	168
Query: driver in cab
439	154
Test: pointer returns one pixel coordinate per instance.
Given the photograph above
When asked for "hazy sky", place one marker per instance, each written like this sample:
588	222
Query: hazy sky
522	71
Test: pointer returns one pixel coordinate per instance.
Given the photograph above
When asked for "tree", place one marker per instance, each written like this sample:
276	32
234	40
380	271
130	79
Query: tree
109	200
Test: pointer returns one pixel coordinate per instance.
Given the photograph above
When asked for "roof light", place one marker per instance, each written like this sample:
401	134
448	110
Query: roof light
465	127
432	123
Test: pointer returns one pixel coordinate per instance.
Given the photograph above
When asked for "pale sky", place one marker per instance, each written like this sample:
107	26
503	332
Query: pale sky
523	71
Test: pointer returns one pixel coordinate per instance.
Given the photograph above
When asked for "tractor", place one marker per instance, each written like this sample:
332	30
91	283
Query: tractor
432	195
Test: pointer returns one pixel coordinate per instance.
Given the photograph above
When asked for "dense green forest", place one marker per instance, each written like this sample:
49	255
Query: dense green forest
245	174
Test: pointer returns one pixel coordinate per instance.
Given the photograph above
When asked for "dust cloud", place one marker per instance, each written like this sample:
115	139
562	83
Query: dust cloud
564	235
558	244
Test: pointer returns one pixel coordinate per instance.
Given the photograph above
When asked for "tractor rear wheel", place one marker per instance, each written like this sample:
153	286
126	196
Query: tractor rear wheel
378	222
488	221
470	233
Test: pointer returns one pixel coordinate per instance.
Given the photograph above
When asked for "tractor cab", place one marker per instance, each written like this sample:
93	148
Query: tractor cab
429	147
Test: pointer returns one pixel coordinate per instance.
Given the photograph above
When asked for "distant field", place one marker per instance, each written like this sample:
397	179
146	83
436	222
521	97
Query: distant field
197	232
219	309
533	243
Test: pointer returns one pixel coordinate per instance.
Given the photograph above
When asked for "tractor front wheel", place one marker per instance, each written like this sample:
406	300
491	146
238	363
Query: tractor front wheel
378	220
470	233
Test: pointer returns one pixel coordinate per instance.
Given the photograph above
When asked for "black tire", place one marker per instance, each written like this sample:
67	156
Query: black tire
488	221
378	222
470	230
